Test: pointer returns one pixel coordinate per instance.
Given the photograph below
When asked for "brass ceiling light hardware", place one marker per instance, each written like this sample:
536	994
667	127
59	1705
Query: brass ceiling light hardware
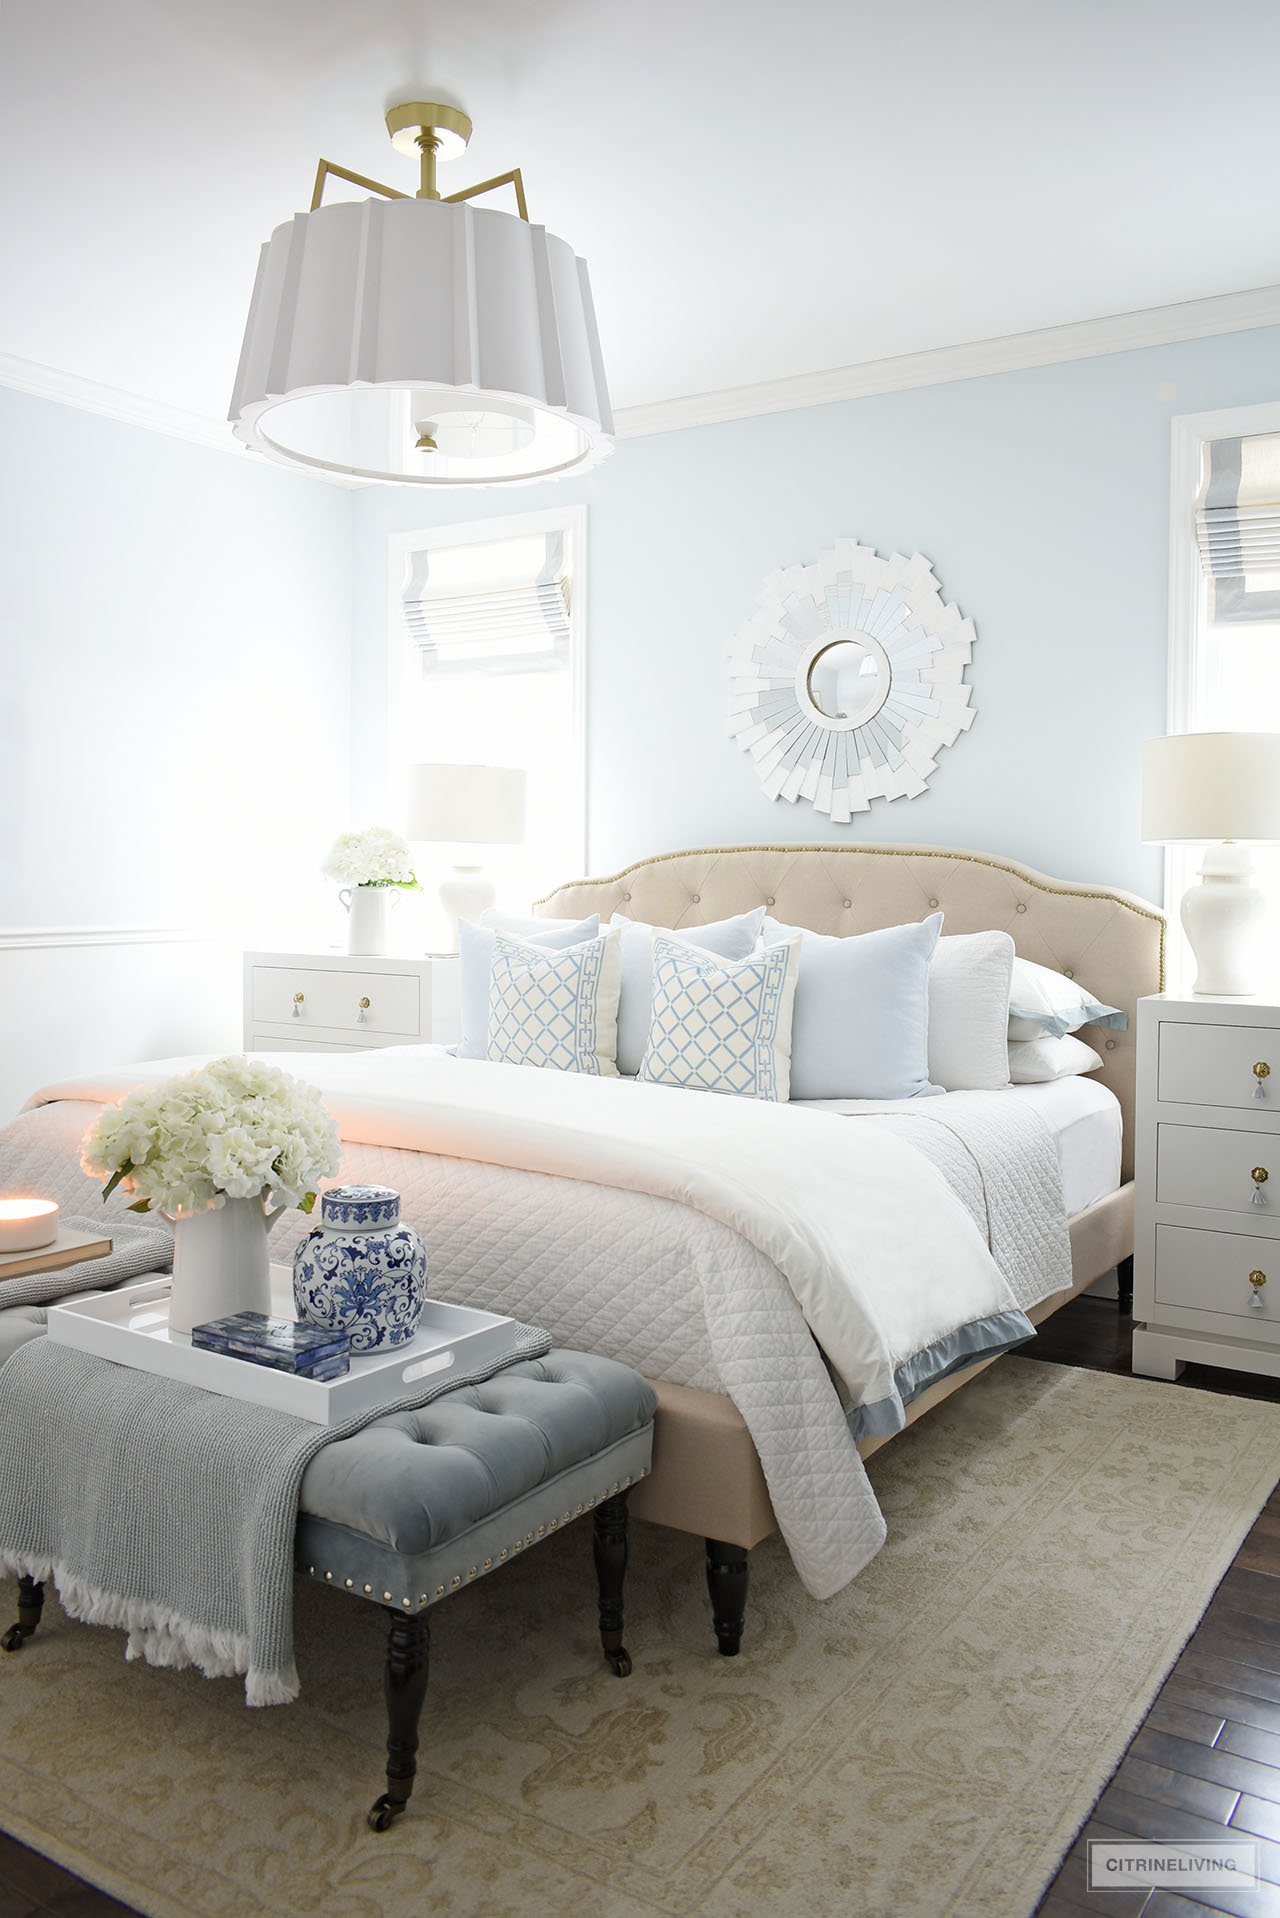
414	337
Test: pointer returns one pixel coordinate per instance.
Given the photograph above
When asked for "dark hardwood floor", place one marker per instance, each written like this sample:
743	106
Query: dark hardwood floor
1204	1765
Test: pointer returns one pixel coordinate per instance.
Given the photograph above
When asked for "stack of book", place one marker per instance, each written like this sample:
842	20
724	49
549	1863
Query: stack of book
308	1351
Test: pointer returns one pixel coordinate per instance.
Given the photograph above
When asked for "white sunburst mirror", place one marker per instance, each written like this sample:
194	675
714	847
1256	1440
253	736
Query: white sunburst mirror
849	679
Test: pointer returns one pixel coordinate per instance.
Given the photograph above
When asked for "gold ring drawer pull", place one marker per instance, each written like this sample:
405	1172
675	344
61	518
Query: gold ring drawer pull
299	1000
1261	1071
1257	1280
363	1007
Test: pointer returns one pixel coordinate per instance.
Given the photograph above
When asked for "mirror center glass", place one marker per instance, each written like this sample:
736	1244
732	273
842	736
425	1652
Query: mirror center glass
848	680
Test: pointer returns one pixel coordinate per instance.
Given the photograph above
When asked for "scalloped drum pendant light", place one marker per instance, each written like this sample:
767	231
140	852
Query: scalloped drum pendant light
422	340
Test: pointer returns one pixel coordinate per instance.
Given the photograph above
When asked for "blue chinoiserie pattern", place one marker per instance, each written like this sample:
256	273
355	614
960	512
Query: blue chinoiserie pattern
360	1271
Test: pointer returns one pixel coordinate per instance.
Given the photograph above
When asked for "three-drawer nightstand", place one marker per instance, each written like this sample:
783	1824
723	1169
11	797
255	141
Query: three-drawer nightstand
1207	1205
329	1002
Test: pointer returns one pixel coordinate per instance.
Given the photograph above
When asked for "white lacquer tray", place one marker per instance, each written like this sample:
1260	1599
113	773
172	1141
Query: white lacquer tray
131	1326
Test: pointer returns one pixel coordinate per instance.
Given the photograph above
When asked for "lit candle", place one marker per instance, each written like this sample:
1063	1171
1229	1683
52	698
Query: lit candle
26	1224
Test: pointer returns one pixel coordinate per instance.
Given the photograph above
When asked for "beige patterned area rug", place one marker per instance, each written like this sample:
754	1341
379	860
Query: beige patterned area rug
927	1742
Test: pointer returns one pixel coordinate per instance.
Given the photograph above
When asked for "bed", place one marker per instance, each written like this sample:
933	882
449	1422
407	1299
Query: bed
708	1477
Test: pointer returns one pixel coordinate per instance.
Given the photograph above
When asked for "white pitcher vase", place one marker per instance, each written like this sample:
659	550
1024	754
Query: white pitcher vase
366	917
220	1262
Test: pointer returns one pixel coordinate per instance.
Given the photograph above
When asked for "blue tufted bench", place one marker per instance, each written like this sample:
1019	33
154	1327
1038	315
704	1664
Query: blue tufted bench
421	1503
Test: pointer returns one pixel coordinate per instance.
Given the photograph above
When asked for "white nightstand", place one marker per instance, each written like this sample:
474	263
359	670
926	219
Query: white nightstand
327	1002
1207	1204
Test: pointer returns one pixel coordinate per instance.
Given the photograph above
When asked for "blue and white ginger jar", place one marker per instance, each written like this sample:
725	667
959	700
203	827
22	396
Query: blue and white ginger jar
360	1271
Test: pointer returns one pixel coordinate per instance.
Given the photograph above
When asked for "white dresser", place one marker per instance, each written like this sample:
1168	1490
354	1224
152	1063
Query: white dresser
328	1002
1206	1280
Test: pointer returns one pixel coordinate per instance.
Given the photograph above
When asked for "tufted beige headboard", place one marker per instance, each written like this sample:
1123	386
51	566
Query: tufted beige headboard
1111	941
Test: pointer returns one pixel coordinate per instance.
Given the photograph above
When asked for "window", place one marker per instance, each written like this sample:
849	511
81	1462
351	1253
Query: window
487	657
1224	592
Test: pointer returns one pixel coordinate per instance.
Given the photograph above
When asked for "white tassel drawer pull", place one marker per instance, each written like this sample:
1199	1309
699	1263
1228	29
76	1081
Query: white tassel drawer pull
363	1007
299	1000
1257	1280
1259	1175
1261	1072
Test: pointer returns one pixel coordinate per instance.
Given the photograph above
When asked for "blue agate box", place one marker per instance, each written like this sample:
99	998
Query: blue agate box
307	1351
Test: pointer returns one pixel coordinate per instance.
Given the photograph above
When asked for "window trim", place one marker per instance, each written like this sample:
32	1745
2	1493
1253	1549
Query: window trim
1189	433
570	520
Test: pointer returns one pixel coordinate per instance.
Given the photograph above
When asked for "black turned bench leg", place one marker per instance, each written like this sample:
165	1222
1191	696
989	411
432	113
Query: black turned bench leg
727	1577
30	1606
405	1687
610	1547
1124	1288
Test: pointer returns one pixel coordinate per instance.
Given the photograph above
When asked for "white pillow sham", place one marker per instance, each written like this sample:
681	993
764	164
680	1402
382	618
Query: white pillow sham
730	938
555	1009
1041	1000
475	961
969	978
1035	1062
722	1025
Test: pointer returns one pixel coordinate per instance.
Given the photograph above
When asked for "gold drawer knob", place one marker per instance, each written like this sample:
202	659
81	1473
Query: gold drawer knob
1259	1175
1261	1070
364	1007
1257	1279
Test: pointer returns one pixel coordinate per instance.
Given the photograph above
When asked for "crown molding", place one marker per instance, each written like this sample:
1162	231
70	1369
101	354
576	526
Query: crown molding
1046	346
134	409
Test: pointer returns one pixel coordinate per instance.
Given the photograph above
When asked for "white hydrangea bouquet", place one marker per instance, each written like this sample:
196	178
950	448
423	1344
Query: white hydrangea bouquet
375	857
210	1150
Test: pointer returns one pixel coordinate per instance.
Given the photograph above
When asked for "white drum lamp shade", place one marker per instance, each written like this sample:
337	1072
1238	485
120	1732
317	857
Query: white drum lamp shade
1220	790
423	342
466	806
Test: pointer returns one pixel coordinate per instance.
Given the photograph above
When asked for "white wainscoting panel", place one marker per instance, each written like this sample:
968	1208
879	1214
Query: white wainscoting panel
74	1000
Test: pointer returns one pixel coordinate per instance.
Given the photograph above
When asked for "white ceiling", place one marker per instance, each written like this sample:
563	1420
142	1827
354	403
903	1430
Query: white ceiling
762	188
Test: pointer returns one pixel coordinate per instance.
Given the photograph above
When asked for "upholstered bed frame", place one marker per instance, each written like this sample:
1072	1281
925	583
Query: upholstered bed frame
707	1478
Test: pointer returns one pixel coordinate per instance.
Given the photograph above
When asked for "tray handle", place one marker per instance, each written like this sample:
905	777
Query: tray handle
423	1368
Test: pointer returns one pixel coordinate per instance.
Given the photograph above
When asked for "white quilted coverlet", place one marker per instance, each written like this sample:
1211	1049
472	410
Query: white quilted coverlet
580	1213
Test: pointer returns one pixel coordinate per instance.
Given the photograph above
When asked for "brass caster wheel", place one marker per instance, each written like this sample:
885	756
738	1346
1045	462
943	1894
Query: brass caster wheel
619	1663
384	1813
14	1639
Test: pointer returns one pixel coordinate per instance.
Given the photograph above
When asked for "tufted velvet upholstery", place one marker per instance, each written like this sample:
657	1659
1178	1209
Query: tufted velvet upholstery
1111	941
419	1501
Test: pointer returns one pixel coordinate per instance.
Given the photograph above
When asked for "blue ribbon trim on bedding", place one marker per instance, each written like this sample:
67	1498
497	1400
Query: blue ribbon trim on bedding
979	1339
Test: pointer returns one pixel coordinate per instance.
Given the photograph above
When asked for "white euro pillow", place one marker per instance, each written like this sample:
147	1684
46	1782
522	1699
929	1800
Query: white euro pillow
475	962
1035	1062
1041	1000
728	938
969	979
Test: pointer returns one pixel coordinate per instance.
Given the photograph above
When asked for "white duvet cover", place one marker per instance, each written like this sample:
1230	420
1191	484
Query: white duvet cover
699	1238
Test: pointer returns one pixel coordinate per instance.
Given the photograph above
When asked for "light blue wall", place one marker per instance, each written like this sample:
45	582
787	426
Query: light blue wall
1041	497
175	627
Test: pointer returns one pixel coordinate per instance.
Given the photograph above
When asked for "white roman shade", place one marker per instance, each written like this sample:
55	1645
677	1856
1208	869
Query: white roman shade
1238	528
499	606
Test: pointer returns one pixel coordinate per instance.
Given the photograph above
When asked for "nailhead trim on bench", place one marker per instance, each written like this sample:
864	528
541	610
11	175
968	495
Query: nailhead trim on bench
478	1571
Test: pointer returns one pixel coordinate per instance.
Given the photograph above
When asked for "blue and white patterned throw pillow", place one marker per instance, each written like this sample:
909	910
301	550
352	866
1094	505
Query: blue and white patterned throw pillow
553	1009
722	1025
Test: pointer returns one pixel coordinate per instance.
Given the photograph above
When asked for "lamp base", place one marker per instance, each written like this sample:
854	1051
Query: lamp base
465	894
1224	918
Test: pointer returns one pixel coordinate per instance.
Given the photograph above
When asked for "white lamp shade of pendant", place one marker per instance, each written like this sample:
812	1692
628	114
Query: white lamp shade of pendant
467	805
376	325
1199	788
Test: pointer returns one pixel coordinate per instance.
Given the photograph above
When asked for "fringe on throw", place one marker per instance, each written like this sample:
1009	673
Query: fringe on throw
158	1636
